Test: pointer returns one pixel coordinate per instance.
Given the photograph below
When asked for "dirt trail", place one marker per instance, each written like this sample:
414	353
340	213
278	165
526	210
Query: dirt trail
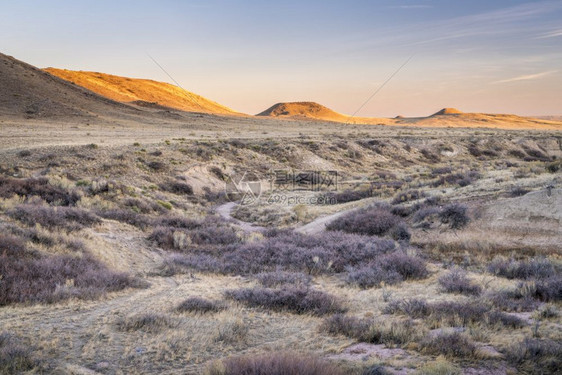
225	211
318	225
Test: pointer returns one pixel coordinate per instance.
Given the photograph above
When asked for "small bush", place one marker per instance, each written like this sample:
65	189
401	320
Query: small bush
426	214
506	320
455	215
38	187
518	191
177	187
278	278
549	290
373	221
554	167
401	233
68	218
533	268
410	195
149	322
275	363
439	367
156	166
217	172
456	281
369	331
512	300
127	216
376	370
415	308
55	278
536	356
453	345
200	305
350	326
15	358
390	269
296	300
441	170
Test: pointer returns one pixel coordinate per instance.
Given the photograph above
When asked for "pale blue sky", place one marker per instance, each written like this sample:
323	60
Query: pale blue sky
488	56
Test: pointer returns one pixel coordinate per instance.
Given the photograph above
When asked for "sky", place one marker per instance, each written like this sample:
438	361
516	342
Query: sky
501	56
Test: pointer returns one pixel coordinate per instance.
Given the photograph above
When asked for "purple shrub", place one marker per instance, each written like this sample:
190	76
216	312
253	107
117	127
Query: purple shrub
127	216
177	187
200	305
295	300
327	252
350	326
406	196
453	345
414	308
38	187
276	363
68	218
40	280
370	276
455	215
390	268
533	268
372	221
278	278
15	357
456	281
536	356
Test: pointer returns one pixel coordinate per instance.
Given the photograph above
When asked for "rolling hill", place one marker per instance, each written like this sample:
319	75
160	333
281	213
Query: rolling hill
26	91
318	112
143	92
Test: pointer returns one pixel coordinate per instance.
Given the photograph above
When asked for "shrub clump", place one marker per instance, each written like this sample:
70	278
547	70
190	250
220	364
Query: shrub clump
456	281
372	221
370	331
275	363
200	305
69	218
15	358
406	196
278	278
449	344
452	313
455	215
295	300
148	322
127	216
536	356
533	268
39	187
390	269
54	278
177	187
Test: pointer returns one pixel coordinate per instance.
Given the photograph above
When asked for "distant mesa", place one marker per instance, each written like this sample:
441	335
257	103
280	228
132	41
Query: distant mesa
300	109
447	111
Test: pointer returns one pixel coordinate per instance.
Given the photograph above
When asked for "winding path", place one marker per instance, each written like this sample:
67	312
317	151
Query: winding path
318	225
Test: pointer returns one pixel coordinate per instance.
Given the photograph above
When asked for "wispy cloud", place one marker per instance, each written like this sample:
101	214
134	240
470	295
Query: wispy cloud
552	34
526	77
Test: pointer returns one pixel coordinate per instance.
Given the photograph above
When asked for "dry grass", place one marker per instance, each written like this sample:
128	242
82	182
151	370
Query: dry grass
164	235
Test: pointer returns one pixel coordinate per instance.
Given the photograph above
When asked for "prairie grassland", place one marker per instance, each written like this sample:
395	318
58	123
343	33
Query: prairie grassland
439	252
